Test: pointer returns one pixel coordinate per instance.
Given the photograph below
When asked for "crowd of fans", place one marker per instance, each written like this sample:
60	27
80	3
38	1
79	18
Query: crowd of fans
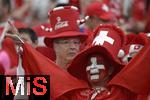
99	46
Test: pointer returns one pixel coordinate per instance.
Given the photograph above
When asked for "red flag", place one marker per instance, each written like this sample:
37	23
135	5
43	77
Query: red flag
61	81
136	75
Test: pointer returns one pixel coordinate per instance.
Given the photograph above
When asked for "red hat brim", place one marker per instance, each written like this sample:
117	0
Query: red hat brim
78	66
49	39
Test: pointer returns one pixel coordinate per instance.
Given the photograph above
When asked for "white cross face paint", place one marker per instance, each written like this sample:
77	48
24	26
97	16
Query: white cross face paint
94	77
94	69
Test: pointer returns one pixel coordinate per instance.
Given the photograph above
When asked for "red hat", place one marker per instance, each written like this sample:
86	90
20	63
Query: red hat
129	38
100	10
134	45
108	40
64	23
137	41
39	29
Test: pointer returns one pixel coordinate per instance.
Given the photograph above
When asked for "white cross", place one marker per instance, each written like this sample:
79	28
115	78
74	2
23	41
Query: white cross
102	37
105	7
94	64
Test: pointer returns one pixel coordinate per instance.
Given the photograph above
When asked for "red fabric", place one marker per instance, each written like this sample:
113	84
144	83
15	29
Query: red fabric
9	46
135	76
147	29
116	93
48	52
129	38
61	81
12	71
2	71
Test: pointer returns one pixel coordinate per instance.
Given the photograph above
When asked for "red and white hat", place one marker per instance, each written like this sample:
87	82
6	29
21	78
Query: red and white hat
100	10
64	22
107	43
134	45
42	29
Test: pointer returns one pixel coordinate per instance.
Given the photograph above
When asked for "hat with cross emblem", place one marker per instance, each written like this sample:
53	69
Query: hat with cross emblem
107	43
134	45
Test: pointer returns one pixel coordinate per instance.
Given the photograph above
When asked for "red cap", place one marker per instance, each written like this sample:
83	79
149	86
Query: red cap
100	10
64	23
134	45
109	48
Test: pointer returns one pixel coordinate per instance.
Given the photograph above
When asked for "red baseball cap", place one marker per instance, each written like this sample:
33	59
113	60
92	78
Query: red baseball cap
100	10
107	43
64	23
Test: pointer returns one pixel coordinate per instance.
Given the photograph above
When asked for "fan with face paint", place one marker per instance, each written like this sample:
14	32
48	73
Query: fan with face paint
98	71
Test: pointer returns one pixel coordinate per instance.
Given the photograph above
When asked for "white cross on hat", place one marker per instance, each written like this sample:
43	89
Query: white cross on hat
102	37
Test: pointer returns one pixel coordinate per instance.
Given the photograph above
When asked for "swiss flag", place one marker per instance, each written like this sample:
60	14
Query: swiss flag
61	81
136	75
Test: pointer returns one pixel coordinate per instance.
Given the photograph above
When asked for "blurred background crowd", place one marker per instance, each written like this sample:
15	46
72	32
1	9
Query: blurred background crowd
132	15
